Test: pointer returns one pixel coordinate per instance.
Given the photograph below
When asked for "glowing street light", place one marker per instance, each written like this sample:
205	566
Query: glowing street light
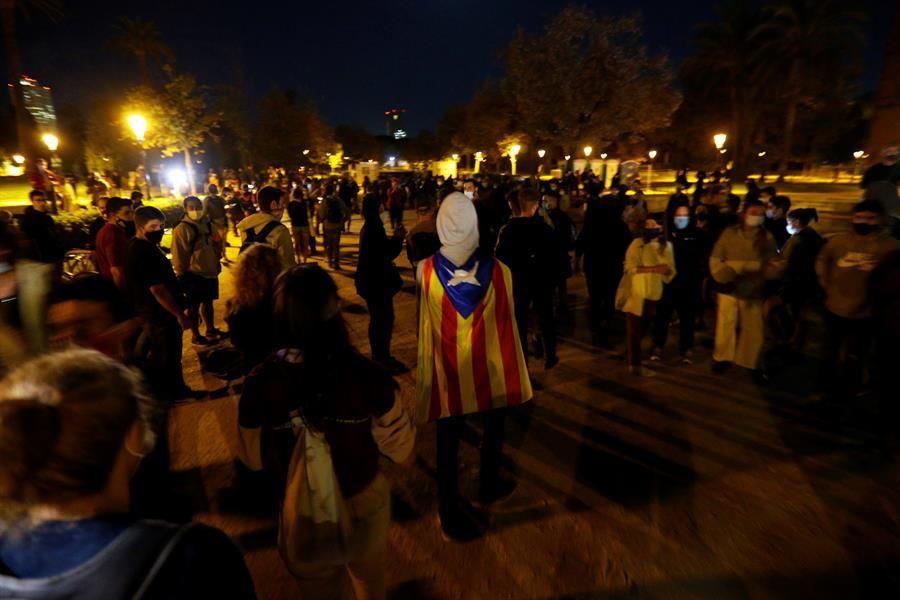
761	154
652	155
587	151
513	153
18	159
306	152
719	140
603	155
541	153
51	141
138	125
177	179
568	157
479	157
858	155
455	157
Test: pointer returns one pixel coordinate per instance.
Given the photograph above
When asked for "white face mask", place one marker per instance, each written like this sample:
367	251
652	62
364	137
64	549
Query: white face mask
469	195
682	222
194	215
754	220
792	230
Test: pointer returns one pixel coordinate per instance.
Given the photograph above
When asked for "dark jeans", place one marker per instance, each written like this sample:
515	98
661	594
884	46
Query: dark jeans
381	324
847	346
635	329
396	214
332	236
542	300
158	353
685	302
448	434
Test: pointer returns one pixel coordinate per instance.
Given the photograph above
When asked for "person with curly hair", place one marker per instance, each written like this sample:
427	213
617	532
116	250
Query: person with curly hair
250	310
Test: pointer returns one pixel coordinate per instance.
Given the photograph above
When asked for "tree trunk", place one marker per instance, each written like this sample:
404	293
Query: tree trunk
13	76
790	119
189	170
142	67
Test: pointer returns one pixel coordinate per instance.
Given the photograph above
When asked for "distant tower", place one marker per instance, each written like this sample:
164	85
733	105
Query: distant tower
39	104
393	123
885	128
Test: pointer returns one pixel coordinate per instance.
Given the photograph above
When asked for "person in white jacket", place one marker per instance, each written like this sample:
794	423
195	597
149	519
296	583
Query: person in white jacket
649	265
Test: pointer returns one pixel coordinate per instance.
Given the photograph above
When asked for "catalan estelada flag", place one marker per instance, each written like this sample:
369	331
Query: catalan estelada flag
470	355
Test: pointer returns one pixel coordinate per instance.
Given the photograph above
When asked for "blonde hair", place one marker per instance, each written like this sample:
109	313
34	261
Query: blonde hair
257	270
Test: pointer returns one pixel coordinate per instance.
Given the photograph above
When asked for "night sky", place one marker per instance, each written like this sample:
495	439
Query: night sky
355	58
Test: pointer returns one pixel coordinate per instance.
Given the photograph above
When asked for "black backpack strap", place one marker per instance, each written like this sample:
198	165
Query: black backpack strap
266	230
164	555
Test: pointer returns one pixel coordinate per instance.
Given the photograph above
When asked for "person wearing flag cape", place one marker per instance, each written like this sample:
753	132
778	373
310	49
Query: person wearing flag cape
470	357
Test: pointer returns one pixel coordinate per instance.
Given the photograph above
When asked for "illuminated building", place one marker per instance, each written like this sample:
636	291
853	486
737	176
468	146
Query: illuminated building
39	104
393	124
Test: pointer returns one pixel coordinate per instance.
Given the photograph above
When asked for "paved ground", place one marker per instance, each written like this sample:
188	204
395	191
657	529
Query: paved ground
680	485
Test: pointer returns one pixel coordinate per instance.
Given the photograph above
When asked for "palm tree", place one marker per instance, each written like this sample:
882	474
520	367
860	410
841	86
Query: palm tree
142	39
812	41
50	8
728	62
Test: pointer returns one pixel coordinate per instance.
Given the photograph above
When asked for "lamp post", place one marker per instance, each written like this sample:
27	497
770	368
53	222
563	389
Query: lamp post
857	157
541	154
513	153
455	158
52	143
479	156
652	155
719	140
138	125
603	156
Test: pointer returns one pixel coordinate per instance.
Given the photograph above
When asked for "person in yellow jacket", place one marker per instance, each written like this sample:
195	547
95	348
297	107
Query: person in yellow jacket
739	264
649	265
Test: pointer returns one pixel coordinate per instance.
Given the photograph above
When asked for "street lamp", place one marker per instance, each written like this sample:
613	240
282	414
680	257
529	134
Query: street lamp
306	152
587	151
541	153
603	155
858	155
719	140
138	125
513	153
761	154
479	156
52	143
18	159
652	155
455	157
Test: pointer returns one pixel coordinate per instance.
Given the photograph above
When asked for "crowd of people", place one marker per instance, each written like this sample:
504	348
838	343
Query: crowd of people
84	430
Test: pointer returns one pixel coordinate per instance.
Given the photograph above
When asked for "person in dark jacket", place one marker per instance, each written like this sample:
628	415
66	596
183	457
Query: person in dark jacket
776	219
682	294
39	230
801	288
603	240
564	229
74	427
378	280
528	246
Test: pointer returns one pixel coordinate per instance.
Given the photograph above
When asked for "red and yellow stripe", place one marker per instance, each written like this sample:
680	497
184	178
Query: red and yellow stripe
469	364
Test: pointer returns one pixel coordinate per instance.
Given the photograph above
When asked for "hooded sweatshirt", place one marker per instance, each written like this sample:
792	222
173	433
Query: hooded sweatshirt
279	238
844	266
738	252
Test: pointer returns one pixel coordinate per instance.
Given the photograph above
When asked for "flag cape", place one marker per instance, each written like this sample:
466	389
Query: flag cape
470	355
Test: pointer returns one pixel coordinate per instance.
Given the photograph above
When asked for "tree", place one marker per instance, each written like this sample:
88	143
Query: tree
357	142
814	40
728	67
142	39
51	8
588	79
177	116
285	127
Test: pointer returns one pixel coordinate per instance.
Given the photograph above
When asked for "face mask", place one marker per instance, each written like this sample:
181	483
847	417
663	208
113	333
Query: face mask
194	215
864	228
470	195
754	220
155	237
770	213
792	230
682	222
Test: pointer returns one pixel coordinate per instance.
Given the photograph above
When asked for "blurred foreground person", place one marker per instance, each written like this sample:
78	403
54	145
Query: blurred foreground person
73	430
250	309
470	357
317	410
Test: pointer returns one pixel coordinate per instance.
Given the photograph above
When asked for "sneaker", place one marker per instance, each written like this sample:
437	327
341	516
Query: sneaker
460	529
502	492
687	359
656	355
551	362
720	366
199	340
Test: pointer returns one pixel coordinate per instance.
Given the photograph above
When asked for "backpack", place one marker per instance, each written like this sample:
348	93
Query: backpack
333	212
258	237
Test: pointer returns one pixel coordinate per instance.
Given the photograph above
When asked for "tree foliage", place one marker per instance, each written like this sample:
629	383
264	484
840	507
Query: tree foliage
285	127
588	79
